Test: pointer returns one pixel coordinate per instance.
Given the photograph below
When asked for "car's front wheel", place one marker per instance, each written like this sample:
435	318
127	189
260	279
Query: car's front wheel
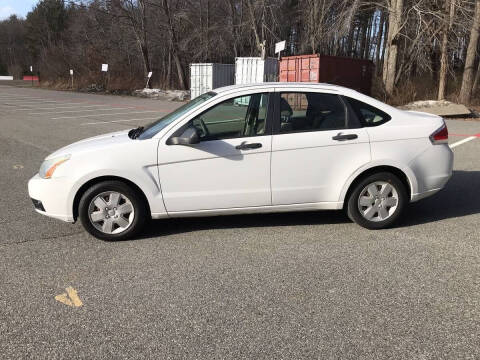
377	201
112	210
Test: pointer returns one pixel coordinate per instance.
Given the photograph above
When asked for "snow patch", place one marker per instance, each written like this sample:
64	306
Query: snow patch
171	95
438	107
427	103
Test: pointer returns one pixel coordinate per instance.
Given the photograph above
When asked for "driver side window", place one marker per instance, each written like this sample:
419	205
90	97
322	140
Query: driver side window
238	117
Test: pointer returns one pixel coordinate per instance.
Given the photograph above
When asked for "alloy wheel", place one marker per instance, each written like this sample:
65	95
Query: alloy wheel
111	212
378	201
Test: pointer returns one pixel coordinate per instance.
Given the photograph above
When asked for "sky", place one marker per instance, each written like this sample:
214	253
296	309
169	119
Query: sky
18	7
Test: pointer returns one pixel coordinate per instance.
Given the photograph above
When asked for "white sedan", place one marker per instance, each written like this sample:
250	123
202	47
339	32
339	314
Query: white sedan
250	149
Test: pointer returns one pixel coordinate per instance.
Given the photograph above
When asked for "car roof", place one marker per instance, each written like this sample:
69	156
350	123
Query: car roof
319	86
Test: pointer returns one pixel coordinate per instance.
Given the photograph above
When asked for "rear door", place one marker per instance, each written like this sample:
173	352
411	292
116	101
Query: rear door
317	145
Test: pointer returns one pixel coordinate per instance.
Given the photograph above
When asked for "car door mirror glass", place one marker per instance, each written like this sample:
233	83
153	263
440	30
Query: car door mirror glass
189	136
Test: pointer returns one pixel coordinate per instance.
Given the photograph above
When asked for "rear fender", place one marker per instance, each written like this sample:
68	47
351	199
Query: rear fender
412	180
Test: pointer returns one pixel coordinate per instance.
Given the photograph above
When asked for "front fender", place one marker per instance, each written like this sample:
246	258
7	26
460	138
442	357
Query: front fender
146	180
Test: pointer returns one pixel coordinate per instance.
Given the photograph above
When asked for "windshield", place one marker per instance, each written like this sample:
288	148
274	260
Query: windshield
153	128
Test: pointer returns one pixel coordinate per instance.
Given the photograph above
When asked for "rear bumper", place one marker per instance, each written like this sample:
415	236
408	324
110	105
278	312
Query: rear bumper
49	197
420	196
433	168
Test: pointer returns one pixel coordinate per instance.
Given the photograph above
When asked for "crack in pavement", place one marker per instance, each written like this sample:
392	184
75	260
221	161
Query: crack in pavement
42	238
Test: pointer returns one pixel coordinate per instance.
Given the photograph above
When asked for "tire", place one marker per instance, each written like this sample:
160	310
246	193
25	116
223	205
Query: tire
112	210
377	201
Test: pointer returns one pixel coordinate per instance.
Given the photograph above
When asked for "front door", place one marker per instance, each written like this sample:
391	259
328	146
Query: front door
230	167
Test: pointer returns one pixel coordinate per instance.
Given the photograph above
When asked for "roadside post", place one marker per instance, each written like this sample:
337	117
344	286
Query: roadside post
279	47
71	76
105	71
148	79
31	73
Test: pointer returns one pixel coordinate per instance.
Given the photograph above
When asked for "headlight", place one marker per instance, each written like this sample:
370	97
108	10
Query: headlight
48	166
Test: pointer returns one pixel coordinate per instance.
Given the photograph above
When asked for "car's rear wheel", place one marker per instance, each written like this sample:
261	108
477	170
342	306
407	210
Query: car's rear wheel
377	201
112	210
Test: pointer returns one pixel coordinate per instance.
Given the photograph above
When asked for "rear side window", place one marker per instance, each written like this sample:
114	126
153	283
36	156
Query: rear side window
367	114
310	111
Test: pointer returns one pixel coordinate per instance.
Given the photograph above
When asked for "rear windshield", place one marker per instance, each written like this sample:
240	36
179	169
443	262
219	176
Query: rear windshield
368	114
150	130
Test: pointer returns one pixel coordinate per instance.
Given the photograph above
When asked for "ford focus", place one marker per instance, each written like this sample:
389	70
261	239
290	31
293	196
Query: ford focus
270	147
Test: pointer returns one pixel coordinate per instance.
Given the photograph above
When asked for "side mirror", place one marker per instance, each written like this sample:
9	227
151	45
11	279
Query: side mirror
188	137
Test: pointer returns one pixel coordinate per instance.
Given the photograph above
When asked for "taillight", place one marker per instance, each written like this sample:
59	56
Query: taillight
440	136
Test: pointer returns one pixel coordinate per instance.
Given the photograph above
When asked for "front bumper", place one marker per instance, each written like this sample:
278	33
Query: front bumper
37	204
50	197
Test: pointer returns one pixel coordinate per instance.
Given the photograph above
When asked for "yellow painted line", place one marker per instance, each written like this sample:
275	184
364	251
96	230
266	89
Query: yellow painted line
69	298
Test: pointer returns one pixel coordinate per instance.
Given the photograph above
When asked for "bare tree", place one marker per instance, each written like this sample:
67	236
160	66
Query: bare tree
395	9
416	44
136	16
253	23
468	72
447	26
174	43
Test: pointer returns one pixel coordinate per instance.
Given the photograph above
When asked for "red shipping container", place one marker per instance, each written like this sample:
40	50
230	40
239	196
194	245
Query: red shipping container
30	77
348	72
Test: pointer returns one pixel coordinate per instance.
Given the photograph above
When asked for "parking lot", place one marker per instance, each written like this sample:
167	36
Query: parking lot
299	285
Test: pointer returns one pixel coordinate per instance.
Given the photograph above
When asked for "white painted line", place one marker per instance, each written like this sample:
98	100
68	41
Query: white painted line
6	93
56	107
117	121
24	103
30	101
82	116
13	96
461	142
52	106
74	111
17	102
23	97
18	98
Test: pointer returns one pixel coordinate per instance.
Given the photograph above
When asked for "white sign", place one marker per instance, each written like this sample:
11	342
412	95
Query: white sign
280	46
104	67
71	72
31	68
149	75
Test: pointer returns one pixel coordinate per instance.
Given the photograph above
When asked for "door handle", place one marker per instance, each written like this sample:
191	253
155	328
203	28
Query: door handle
341	137
245	146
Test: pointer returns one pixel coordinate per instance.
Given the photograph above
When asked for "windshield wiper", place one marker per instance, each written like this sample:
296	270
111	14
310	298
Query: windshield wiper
134	133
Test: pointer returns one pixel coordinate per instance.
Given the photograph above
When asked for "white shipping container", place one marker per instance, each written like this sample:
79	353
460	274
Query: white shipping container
251	70
6	77
205	77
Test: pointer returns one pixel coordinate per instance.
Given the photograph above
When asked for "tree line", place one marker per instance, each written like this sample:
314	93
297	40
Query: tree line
420	48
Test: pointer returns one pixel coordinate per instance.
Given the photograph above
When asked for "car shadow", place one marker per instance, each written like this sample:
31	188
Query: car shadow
461	197
190	224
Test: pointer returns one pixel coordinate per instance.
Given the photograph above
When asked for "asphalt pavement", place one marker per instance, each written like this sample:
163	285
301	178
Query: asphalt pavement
268	286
